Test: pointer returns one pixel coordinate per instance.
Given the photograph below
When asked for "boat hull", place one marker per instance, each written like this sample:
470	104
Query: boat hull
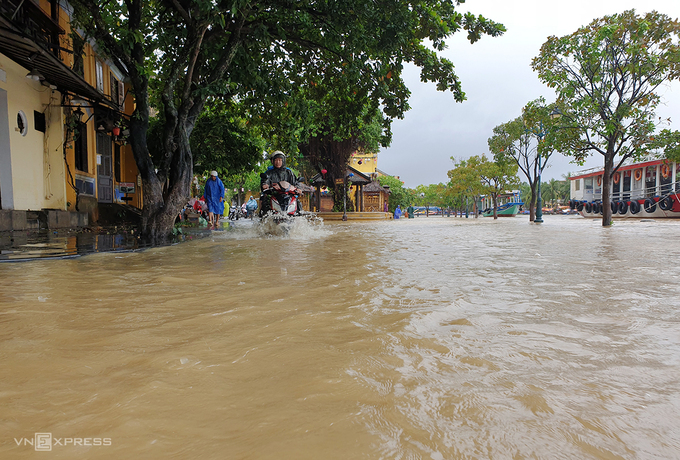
510	211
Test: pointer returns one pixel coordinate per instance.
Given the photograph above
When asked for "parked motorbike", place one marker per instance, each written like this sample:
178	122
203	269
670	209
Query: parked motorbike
235	213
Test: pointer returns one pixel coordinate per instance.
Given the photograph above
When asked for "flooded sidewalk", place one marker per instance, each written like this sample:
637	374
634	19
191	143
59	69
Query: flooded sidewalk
22	246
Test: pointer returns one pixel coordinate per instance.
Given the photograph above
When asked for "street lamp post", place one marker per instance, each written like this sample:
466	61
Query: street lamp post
344	195
344	199
539	204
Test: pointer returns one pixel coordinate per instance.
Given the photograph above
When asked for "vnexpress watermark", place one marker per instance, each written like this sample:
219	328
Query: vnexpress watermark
44	442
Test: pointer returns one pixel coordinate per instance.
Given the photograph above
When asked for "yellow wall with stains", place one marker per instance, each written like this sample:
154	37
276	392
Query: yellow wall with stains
38	179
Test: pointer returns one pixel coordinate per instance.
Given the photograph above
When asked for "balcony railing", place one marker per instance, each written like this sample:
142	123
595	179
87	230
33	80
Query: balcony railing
28	18
639	194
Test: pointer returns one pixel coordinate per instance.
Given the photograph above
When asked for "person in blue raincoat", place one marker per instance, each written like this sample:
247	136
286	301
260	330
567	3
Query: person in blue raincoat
251	206
214	197
397	212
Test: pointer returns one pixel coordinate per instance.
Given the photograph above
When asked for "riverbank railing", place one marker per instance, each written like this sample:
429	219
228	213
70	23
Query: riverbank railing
640	194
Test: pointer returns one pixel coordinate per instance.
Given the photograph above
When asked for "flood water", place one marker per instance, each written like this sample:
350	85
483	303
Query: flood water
432	338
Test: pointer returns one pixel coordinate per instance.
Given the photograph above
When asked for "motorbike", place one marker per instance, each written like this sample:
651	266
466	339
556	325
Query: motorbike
282	204
235	213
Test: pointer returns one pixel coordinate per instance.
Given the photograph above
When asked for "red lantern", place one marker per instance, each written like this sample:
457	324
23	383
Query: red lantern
116	131
323	172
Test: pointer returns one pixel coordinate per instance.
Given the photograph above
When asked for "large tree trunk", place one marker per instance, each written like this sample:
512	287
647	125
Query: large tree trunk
606	183
326	152
163	197
532	202
161	209
182	92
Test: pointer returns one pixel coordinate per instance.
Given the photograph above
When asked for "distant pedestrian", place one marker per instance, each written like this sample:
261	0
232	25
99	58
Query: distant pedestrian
410	211
397	212
214	197
385	207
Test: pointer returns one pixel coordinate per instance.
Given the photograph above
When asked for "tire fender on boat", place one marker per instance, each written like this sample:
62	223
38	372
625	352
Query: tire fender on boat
614	205
588	207
666	203
634	207
623	207
579	206
650	205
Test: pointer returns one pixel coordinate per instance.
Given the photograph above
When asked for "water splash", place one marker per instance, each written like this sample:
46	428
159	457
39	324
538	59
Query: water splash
307	227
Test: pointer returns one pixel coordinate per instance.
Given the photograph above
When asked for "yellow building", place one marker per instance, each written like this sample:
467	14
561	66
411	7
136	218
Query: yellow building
365	162
63	112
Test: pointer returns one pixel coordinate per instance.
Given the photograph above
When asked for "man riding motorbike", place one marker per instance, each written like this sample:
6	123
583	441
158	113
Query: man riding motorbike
276	173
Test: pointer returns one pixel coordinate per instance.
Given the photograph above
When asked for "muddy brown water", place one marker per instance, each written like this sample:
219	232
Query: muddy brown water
432	338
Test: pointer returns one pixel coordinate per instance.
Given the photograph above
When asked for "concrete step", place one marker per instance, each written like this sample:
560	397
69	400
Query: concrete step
39	220
355	215
35	220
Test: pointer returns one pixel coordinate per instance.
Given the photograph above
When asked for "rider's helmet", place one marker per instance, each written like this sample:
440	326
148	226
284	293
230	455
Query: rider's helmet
277	154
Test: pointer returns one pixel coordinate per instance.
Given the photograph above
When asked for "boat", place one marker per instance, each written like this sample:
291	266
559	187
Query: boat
509	204
647	189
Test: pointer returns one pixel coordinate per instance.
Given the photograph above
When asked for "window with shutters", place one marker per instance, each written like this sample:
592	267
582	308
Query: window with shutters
78	54
116	162
100	76
121	94
114	88
80	147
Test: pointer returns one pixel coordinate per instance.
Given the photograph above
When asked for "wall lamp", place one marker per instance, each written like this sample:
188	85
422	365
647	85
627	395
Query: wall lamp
34	75
78	114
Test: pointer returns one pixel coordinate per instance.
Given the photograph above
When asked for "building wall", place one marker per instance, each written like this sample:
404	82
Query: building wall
6	187
37	169
128	166
129	173
369	162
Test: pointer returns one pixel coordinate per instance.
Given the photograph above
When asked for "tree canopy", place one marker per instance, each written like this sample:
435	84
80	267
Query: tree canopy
527	141
607	75
317	68
464	182
399	195
479	176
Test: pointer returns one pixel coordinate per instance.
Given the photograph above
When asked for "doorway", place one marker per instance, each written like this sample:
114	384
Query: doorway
6	190
104	169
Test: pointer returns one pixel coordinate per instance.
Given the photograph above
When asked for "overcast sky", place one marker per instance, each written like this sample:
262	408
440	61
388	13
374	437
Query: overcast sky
497	78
